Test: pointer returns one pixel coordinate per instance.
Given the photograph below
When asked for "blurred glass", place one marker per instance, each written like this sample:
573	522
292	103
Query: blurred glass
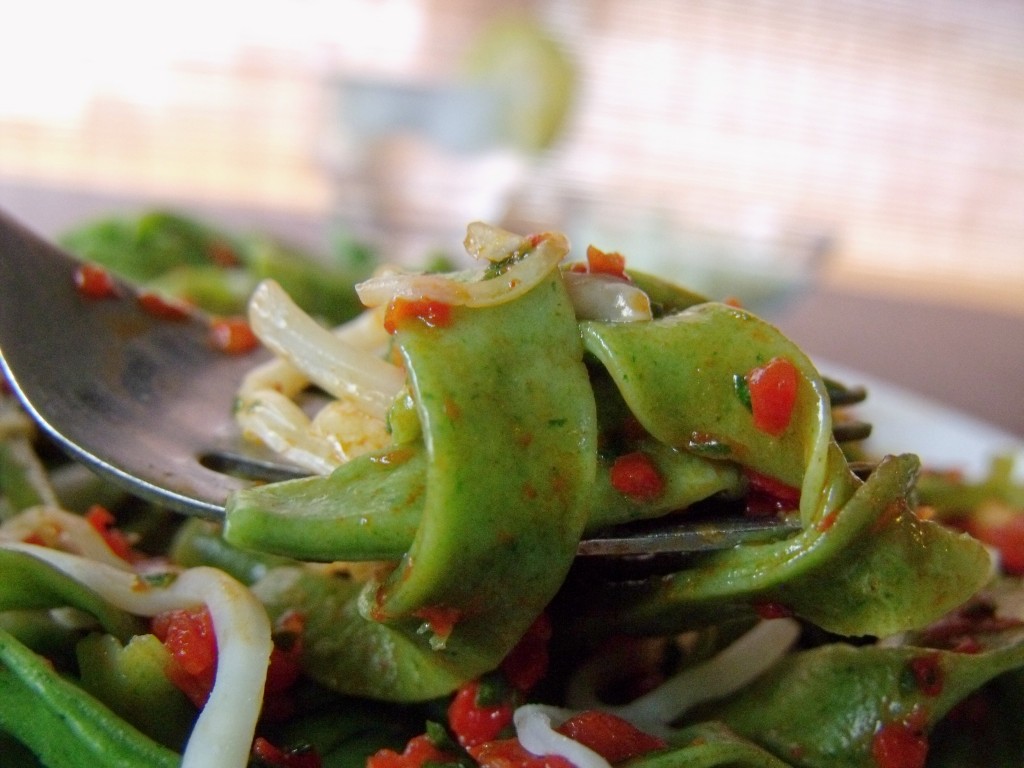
412	162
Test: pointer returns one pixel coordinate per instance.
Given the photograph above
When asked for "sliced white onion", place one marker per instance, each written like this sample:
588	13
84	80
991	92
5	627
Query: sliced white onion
493	244
348	430
449	288
474	288
337	367
606	297
223	733
732	668
537	735
61	530
281	425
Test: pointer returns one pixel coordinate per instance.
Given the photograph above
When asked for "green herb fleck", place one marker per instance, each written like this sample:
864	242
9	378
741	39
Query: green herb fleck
742	389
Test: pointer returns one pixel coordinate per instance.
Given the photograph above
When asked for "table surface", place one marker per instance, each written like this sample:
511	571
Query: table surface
967	357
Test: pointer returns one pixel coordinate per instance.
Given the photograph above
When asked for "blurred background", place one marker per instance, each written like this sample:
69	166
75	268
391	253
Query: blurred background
875	149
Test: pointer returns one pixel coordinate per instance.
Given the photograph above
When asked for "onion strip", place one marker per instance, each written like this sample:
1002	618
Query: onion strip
607	298
337	367
540	254
223	733
732	668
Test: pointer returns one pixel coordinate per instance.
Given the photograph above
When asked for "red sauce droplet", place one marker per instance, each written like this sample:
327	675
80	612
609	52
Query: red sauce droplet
635	475
95	282
162	307
233	335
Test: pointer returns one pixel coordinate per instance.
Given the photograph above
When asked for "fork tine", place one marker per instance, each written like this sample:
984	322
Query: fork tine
685	535
850	431
840	395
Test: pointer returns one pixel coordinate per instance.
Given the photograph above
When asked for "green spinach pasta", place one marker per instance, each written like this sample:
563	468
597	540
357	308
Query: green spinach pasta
417	598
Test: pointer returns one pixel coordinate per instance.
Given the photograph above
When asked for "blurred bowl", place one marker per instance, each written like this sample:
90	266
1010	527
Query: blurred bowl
759	258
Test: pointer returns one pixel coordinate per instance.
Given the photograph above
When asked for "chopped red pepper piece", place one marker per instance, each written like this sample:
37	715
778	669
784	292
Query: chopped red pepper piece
636	475
600	262
188	635
610	736
773	389
474	724
233	335
95	282
433	314
900	744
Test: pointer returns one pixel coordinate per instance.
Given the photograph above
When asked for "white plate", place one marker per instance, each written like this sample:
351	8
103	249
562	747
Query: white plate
944	438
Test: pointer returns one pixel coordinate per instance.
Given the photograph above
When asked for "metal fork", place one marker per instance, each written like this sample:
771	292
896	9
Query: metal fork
146	401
